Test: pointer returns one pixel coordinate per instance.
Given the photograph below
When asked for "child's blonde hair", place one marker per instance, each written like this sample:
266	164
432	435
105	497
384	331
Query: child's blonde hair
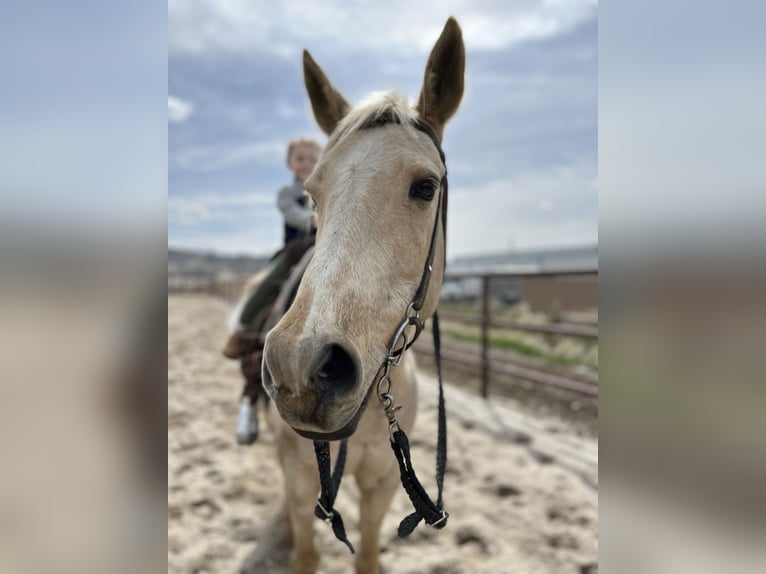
300	142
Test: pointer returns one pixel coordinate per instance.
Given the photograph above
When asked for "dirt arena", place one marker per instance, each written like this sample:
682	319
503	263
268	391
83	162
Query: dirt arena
522	492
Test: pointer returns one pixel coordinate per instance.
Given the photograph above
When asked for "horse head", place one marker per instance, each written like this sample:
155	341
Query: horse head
379	188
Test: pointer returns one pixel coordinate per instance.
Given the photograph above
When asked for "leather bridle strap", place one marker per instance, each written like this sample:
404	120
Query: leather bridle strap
330	486
425	509
432	513
420	295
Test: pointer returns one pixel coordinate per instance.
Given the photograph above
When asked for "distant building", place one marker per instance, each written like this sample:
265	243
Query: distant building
548	294
543	259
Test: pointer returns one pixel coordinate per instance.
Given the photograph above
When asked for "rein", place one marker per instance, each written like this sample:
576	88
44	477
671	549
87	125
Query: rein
425	509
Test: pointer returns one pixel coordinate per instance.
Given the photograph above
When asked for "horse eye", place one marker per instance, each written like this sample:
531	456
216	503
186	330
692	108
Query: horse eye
424	189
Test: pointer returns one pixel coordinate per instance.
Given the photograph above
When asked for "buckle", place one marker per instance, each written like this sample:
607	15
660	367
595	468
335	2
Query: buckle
444	517
327	515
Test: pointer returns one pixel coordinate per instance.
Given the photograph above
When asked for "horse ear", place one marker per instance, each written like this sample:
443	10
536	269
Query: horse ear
328	104
443	82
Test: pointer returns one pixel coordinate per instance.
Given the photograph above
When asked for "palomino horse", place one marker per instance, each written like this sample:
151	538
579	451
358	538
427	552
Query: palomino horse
378	188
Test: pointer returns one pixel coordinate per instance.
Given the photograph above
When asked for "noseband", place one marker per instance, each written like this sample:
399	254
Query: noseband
406	334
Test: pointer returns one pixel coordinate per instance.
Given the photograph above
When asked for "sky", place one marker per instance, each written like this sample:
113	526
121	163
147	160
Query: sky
521	150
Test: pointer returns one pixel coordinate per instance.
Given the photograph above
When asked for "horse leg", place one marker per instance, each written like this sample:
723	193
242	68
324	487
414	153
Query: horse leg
373	506
301	490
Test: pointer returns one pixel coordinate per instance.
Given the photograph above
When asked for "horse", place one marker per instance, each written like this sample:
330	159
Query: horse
378	188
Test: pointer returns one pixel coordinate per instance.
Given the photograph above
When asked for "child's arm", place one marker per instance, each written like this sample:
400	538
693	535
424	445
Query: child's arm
294	213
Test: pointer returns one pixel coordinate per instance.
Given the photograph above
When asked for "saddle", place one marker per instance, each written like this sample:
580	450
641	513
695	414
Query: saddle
260	324
273	313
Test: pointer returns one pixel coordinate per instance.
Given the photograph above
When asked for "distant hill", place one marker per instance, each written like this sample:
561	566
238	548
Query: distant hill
197	264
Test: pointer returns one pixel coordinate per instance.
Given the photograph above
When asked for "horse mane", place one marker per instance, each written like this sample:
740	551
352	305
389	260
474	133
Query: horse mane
380	108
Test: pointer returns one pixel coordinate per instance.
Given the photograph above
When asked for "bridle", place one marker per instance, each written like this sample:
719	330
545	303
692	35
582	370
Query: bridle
425	509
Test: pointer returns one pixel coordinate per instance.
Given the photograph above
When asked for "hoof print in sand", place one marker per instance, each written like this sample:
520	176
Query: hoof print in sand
563	541
470	535
506	490
205	509
543	458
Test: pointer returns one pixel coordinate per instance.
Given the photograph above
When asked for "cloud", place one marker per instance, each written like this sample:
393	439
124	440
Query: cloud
531	21
547	208
215	207
179	110
213	158
521	150
208	26
287	110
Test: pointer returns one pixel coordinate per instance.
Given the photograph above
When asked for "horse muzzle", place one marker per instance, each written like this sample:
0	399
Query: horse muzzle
315	384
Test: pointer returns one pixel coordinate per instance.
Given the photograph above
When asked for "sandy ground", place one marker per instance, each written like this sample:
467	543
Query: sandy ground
522	492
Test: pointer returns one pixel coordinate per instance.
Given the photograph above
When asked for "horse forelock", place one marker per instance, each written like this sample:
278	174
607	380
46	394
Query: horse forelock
378	109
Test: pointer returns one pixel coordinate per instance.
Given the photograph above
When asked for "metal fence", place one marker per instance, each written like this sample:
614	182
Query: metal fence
481	359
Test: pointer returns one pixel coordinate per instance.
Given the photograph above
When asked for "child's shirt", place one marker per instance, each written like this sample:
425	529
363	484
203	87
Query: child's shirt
297	207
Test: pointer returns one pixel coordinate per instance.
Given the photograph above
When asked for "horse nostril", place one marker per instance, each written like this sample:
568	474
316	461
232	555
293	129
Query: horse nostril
336	374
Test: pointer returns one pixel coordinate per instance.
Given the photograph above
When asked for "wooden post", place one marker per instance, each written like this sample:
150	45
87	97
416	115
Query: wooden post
485	336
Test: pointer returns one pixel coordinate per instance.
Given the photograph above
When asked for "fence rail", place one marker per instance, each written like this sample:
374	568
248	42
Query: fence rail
571	330
485	364
479	359
511	370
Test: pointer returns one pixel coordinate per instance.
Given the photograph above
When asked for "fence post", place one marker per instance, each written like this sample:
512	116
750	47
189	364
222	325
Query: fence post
485	336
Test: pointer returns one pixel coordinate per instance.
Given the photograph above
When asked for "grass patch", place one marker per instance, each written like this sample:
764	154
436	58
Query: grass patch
500	341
